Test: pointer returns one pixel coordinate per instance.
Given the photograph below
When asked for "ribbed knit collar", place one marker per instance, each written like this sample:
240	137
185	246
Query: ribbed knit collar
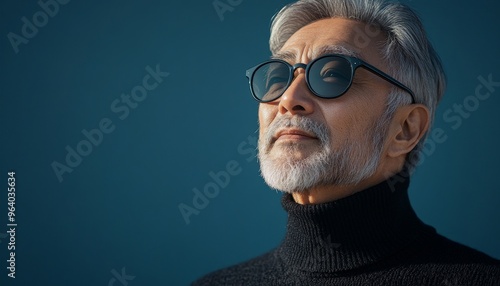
352	232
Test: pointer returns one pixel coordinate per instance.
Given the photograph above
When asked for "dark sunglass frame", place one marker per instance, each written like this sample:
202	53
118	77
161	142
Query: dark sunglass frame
355	63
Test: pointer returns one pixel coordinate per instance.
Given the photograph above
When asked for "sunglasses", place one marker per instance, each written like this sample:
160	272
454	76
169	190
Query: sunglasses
329	76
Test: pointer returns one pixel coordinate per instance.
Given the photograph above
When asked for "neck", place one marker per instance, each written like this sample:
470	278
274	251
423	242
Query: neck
350	232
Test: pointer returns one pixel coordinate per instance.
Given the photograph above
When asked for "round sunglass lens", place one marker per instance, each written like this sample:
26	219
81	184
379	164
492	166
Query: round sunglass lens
270	81
330	77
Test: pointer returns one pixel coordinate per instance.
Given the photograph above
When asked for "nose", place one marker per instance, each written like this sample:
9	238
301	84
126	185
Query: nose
297	98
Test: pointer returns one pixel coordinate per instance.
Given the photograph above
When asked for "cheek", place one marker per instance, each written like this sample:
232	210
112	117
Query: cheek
266	116
346	123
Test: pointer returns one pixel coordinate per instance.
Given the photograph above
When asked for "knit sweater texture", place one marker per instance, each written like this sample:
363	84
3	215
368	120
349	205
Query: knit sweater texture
370	238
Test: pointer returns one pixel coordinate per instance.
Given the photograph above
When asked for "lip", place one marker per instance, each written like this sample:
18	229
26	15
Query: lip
293	134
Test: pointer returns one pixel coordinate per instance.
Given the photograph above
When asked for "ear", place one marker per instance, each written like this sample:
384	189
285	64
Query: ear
408	126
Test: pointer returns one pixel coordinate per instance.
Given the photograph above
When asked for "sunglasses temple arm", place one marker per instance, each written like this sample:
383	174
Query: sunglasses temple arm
389	79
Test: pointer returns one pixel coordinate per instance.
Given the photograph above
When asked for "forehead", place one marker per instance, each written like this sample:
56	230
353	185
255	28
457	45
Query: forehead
334	35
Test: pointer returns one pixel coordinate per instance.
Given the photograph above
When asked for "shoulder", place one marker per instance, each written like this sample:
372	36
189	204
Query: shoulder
252	272
448	251
441	260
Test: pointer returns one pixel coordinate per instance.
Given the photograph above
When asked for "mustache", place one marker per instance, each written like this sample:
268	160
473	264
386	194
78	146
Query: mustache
299	122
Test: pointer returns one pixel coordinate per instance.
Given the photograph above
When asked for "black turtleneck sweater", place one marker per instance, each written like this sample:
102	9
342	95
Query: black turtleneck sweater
370	238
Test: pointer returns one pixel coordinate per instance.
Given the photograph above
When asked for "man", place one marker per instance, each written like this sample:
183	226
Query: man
345	104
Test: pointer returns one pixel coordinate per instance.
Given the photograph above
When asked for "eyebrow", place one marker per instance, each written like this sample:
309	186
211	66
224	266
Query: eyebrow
290	56
285	55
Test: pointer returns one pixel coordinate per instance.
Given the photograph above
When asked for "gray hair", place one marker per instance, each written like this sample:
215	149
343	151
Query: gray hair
409	55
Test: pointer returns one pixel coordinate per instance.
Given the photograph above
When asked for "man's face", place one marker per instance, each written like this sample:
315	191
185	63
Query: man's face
308	142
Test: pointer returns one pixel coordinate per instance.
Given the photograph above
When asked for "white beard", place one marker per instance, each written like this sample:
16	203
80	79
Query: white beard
355	161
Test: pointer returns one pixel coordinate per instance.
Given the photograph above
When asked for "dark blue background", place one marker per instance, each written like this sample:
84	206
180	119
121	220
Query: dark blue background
119	207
